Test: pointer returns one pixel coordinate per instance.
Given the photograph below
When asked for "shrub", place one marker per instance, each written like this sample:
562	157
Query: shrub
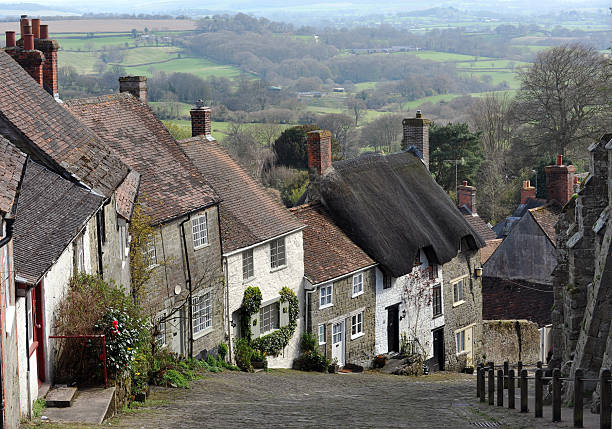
223	351
174	378
310	359
244	354
122	339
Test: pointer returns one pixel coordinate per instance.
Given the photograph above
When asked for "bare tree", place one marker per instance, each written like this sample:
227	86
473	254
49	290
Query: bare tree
341	127
357	107
267	133
383	133
564	98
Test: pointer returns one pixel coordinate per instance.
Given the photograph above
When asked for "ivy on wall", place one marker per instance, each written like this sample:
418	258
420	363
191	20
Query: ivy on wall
251	301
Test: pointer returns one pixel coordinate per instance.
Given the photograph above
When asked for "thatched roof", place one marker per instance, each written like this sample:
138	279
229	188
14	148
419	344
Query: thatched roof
391	207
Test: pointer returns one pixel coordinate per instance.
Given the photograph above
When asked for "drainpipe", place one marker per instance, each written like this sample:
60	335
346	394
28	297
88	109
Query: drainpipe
188	281
307	293
9	220
229	317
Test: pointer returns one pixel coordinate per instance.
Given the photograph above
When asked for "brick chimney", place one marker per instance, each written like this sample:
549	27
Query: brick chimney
200	119
416	133
49	48
319	152
466	196
135	85
560	181
29	59
527	192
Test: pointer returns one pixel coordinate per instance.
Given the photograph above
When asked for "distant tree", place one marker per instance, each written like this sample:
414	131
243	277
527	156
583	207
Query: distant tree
357	107
341	127
383	134
564	100
453	142
291	149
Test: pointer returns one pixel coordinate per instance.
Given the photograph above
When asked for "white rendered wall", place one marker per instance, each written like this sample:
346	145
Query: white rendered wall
270	283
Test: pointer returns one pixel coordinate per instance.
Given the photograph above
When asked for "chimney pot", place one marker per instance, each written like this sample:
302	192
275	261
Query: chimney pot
465	183
28	42
559	159
27	29
418	114
22	23
44	31
36	27
10	39
135	85
527	192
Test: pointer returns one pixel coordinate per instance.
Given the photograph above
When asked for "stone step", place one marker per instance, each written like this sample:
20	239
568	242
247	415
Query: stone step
61	397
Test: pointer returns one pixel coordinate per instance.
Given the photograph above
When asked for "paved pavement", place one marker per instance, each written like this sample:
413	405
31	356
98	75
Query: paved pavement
288	399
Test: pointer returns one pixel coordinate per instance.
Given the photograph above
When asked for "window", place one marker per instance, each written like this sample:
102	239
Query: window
322	334
357	325
433	271
160	337
202	312
458	292
277	253
30	318
6	276
247	264
326	296
200	231
386	281
460	340
436	300
269	318
151	254
357	284
79	253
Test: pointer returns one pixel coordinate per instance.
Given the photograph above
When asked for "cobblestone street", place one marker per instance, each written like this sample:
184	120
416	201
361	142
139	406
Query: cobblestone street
284	398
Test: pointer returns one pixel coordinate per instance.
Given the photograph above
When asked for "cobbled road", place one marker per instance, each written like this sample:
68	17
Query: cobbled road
291	399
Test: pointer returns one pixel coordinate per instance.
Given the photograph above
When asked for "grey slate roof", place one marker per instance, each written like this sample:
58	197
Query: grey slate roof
50	213
391	207
38	125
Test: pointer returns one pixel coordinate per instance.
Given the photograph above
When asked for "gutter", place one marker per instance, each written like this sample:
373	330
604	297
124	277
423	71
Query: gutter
314	285
259	243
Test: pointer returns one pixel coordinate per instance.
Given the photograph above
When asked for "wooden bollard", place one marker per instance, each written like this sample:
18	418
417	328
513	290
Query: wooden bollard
605	396
491	386
511	389
556	395
500	388
519	368
481	380
506	368
478	381
578	398
539	364
539	393
524	392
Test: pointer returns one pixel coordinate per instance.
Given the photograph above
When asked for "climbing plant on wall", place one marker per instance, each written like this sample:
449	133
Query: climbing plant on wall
251	301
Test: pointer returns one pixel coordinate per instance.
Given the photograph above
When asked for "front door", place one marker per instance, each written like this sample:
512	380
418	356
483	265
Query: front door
438	349
37	331
393	328
338	342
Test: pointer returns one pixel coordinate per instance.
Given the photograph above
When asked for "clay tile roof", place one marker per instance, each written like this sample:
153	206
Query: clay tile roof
40	126
127	193
328	252
170	185
478	225
249	213
546	217
12	161
50	213
487	251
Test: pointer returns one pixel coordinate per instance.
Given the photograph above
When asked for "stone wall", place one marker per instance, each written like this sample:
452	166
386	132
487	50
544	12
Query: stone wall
358	350
510	340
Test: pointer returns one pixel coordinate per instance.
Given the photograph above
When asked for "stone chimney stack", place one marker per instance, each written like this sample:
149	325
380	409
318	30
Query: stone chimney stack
527	192
135	85
200	119
466	196
560	181
416	133
319	152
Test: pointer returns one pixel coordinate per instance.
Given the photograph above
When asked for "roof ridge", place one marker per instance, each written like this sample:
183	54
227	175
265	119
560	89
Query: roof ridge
306	206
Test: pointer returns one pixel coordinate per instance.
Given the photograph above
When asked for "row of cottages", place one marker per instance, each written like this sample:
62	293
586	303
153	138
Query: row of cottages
422	280
74	206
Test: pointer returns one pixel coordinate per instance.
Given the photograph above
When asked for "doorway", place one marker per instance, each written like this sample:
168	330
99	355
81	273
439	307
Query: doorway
438	349
393	328
338	342
38	331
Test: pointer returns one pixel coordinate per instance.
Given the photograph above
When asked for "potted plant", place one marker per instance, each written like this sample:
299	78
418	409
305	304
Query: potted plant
334	367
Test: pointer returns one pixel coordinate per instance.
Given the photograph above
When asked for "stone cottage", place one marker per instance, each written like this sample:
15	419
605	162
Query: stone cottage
184	296
340	289
582	295
261	242
389	205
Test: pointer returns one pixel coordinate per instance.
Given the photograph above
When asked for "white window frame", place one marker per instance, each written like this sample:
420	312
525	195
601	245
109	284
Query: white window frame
357	325
248	265
268	309
460	341
202	317
160	338
199	231
357	281
151	254
276	261
321	335
458	293
30	317
326	296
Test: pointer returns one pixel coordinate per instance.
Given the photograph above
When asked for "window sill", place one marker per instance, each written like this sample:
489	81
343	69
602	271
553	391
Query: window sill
201	246
263	334
464	352
357	294
458	303
203	332
359	335
321	307
438	316
282	267
250	279
322	344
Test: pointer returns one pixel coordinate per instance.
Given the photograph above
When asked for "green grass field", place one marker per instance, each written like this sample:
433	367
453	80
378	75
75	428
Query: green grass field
197	66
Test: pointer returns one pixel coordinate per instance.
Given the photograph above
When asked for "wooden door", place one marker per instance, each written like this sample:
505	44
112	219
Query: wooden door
393	328
338	343
438	349
38	330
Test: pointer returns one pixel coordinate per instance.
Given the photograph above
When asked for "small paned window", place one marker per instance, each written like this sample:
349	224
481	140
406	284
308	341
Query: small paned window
436	300
160	337
202	312
357	284
433	271
200	231
269	318
322	334
386	281
326	295
151	254
357	324
458	291
460	340
277	253
248	270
